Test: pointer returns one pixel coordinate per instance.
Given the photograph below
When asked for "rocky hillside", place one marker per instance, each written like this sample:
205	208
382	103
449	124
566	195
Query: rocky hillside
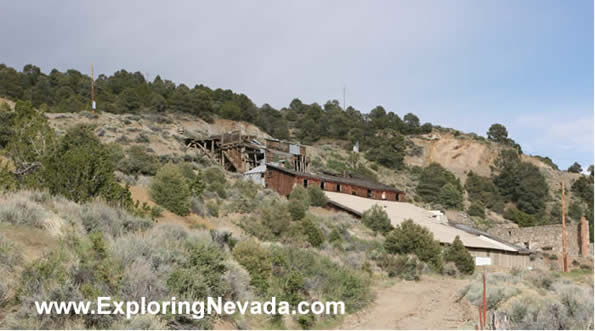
162	134
462	153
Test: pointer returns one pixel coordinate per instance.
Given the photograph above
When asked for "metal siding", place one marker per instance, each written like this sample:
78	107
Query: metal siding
294	149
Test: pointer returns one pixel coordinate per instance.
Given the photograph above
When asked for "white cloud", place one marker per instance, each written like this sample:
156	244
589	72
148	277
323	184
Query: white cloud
563	134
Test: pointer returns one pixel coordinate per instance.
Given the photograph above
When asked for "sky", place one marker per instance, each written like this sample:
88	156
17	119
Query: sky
463	64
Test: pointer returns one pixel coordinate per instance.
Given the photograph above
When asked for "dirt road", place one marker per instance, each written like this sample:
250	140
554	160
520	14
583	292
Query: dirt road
427	304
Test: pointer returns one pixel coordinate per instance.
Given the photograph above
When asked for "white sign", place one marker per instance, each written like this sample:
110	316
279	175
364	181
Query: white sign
93	105
482	260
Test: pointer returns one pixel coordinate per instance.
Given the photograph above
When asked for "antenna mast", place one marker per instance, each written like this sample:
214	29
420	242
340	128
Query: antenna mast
564	247
92	89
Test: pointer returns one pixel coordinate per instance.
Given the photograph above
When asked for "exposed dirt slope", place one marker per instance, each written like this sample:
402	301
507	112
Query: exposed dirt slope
461	154
10	103
457	154
428	304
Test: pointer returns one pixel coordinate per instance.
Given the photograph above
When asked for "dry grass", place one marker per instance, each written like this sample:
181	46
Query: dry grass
536	300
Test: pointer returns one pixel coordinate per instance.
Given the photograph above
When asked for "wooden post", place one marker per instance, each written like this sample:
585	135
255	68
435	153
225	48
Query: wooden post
222	156
564	247
484	298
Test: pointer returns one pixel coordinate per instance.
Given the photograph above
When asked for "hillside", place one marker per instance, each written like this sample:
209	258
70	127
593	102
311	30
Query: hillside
112	202
458	153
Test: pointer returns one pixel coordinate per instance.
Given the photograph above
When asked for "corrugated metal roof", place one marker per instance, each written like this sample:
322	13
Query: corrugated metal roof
260	169
401	211
340	180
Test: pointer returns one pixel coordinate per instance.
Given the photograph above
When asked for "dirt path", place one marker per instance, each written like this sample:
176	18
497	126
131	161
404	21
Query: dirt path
427	304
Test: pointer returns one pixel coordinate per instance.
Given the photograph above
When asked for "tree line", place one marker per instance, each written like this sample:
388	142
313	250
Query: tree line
379	133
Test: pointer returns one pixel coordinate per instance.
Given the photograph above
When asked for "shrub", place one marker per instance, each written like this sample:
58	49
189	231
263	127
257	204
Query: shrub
201	275
80	168
483	191
411	238
519	217
170	190
257	261
321	277
19	210
450	269
214	175
197	206
138	161
213	208
142	138
300	194
450	196
521	182
431	182
10	256
98	217
275	217
312	232
476	209
403	266
377	219
197	184
317	196
458	254
297	209
8	181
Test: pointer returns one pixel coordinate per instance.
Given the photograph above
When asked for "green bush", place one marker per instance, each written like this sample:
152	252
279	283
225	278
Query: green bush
300	194
257	260
8	181
214	175
139	162
80	168
458	254
377	219
482	190
10	255
201	275
97	217
317	196
431	186
402	266
312	232
476	209
215	181
297	209
519	217
270	222
521	182
323	278
213	208
411	238
450	196
170	190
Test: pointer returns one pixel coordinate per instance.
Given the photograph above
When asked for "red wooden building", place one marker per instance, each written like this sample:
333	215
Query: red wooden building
283	180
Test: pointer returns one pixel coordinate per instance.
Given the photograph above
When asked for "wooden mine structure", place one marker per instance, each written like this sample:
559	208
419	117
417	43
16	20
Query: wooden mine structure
240	153
283	180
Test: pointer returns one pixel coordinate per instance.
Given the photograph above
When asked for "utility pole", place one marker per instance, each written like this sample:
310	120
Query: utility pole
92	89
344	97
564	247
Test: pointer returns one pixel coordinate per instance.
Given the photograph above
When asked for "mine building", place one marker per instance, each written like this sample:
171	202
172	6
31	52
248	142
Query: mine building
283	180
237	152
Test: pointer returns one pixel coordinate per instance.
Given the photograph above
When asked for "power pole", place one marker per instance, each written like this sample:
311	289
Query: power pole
92	89
564	247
